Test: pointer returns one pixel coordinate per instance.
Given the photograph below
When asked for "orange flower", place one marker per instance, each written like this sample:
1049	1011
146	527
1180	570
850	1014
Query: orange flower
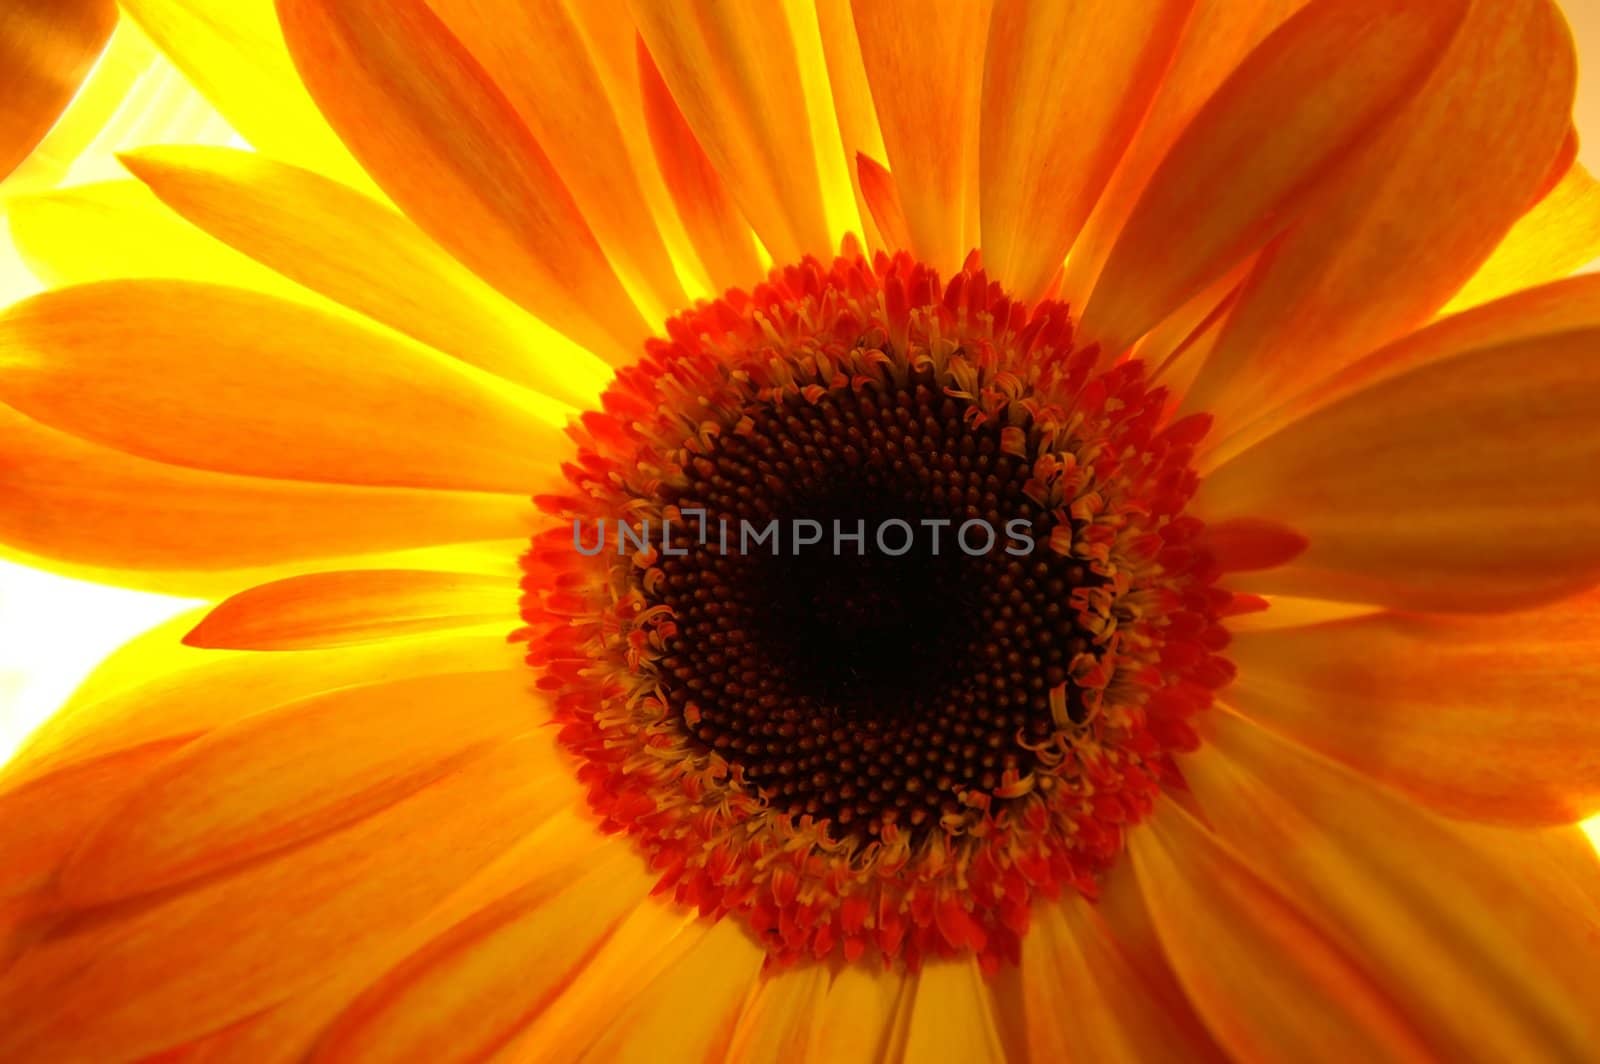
1253	726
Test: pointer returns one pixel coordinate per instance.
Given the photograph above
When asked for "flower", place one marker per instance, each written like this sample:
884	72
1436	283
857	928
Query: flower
1233	333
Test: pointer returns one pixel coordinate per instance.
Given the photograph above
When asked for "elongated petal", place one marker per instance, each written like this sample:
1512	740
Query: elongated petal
232	381
302	771
721	236
1064	88
1071	954
852	98
925	65
364	255
82	504
236	56
138	979
46	48
1264	979
1478	717
1456	925
345	608
951	1016
469	990
734	73
863	1018
563	103
1271	135
1560	234
1466	483
1421	206
882	197
1218	34
447	147
780	1021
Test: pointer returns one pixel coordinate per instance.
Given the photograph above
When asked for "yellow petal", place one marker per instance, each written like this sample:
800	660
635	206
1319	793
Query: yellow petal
1455	927
1410	218
734	73
952	1017
1246	166
1264	979
364	255
46	49
1560	234
1464	483
1064	88
227	380
235	54
1482	717
925	64
442	141
563	103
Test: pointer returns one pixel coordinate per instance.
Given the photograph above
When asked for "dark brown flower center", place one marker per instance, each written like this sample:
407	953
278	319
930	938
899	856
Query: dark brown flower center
872	627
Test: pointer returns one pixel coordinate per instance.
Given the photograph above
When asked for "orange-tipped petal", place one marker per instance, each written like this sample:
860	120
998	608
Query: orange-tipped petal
444	143
362	254
236	56
46	49
1480	717
1457	927
1466	483
1064	88
721	237
1422	204
1273	134
1264	979
734	73
336	609
563	102
132	980
882	197
237	382
925	65
78	503
1560	234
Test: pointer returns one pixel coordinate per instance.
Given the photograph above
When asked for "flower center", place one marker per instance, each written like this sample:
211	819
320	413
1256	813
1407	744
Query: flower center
886	653
872	612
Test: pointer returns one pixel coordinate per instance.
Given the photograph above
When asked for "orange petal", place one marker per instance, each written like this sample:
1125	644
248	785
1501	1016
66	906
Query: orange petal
469	990
1218	34
1270	136
925	64
733	71
1560	234
128	981
438	136
863	1018
1422	204
1071	954
346	608
882	197
563	102
721	236
1480	717
952	1016
46	49
236	56
364	255
780	1021
237	382
1064	88
1264	979
83	504
1465	483
302	771
852	99
1455	926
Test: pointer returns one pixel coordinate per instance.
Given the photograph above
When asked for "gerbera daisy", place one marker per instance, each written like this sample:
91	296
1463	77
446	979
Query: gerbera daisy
561	406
